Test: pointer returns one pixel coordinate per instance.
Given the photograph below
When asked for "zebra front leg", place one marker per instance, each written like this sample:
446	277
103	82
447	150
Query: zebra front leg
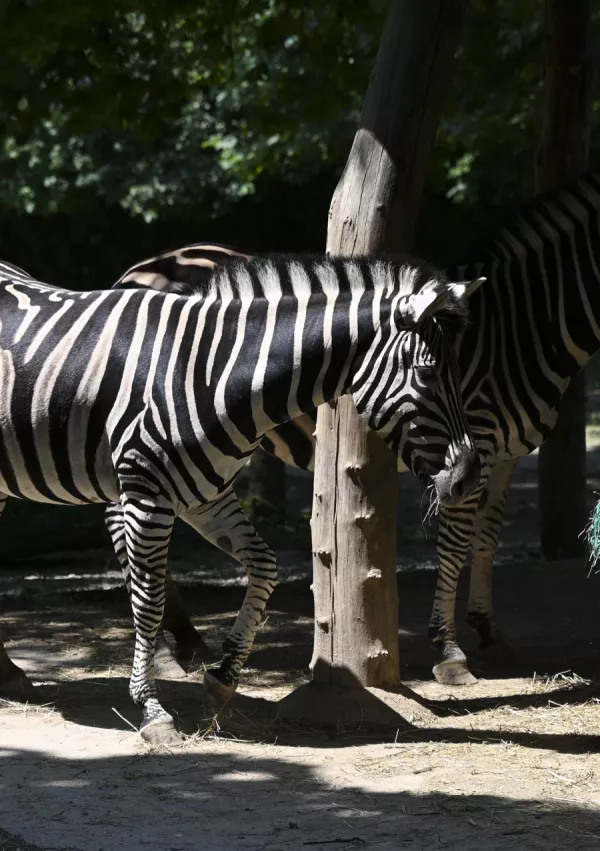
224	523
454	540
148	527
14	683
488	525
191	647
165	662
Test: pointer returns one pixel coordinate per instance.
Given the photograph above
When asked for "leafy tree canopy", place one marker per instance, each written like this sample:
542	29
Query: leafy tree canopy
161	106
149	104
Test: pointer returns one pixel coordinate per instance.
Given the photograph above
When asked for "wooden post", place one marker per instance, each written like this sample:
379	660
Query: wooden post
374	208
564	153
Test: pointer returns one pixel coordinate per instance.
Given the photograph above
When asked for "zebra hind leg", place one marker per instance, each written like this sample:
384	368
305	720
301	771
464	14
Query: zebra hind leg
148	529
224	523
454	540
14	683
190	646
488	526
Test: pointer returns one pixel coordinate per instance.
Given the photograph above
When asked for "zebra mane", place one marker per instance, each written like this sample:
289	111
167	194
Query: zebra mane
395	274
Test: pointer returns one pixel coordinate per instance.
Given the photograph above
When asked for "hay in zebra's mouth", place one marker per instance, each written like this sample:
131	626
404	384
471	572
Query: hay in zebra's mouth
592	535
430	503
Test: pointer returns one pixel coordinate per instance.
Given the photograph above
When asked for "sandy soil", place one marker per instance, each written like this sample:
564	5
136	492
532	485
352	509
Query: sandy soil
511	763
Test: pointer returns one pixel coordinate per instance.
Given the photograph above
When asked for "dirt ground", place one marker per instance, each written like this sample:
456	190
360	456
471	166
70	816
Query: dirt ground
510	763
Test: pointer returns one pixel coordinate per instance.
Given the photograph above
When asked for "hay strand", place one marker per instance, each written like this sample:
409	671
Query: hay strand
592	534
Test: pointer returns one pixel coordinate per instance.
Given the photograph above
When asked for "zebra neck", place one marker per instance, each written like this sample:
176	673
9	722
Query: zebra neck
575	324
278	360
315	364
548	278
532	311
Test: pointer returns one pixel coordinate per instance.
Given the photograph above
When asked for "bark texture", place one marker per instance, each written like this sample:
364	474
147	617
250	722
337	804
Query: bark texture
374	208
564	153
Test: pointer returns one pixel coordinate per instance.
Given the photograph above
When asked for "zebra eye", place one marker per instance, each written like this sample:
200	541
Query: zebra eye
426	374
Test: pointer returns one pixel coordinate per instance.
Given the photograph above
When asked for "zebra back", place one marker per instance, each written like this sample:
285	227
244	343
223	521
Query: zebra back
182	270
189	269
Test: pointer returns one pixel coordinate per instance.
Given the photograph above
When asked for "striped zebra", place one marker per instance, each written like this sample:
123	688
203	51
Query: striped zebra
154	402
533	326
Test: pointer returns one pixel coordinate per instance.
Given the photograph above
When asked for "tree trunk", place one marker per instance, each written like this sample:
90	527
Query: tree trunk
564	153
374	208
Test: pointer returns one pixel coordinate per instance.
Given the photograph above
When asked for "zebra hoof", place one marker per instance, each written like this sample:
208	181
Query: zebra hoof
218	692
17	687
162	733
453	672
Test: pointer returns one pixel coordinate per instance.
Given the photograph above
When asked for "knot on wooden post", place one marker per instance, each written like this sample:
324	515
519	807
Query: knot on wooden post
377	650
354	473
365	522
374	573
324	557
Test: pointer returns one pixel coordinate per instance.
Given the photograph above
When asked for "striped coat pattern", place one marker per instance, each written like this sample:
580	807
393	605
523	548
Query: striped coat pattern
155	401
533	326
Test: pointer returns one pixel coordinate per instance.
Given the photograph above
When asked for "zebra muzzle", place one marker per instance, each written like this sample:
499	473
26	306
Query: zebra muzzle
455	484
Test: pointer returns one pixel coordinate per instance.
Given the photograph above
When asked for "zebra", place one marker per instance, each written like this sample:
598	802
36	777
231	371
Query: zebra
533	326
154	402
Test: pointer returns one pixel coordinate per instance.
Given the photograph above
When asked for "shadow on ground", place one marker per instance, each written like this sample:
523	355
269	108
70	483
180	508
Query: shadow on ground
219	800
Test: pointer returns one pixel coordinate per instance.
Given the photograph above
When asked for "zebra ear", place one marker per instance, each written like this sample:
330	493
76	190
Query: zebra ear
420	306
465	289
415	308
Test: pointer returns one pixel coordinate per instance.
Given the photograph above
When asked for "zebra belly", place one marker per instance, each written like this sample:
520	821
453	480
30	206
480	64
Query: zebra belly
41	482
45	462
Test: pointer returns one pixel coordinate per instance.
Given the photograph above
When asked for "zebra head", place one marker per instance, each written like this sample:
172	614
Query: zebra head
408	385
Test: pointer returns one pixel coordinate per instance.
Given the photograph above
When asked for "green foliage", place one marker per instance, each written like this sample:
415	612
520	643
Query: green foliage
187	110
483	160
154	105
